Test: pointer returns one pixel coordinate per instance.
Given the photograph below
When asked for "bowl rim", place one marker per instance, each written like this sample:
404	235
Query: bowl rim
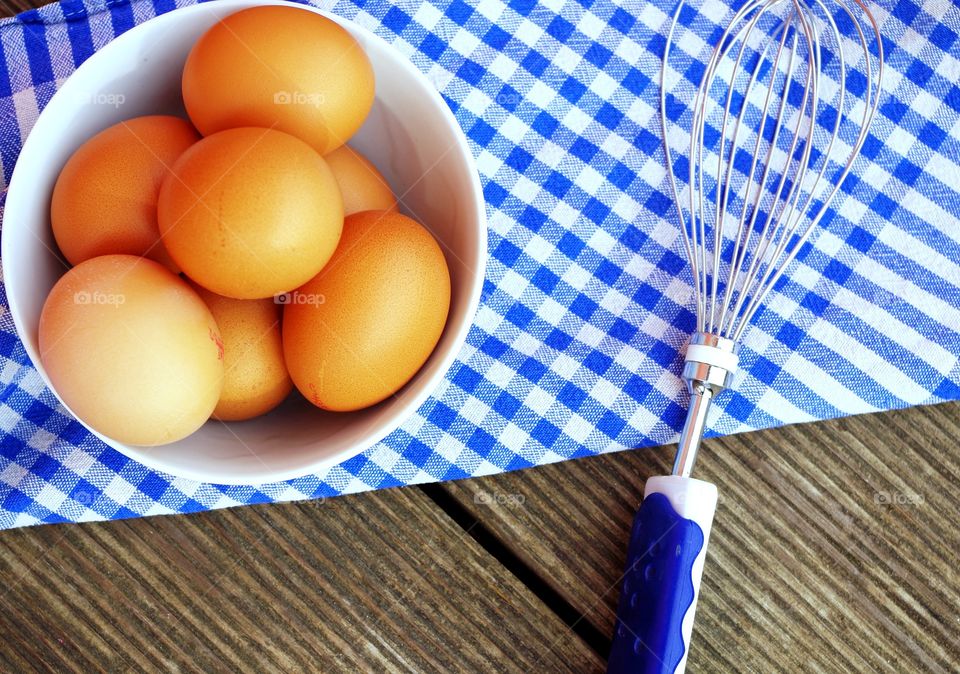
406	408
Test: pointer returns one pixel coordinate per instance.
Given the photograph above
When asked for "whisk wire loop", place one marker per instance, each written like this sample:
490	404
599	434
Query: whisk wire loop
742	237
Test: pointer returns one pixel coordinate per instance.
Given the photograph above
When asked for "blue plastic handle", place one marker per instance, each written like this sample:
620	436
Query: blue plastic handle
657	590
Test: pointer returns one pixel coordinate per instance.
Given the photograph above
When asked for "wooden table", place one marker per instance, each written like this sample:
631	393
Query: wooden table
835	549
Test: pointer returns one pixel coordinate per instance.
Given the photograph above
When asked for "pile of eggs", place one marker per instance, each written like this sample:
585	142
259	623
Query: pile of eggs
219	262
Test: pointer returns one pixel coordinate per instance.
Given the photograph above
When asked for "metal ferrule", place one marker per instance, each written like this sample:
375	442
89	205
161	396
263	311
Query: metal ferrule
709	368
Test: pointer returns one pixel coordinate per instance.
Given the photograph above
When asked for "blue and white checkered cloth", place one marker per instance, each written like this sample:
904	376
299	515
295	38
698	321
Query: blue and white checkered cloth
577	347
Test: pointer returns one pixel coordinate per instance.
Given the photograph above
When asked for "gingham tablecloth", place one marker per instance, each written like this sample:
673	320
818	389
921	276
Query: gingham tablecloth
577	347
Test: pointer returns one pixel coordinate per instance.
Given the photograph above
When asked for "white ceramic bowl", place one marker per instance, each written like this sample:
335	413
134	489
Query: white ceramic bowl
410	135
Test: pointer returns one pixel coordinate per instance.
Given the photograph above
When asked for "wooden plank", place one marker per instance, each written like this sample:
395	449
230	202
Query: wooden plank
374	582
11	7
835	545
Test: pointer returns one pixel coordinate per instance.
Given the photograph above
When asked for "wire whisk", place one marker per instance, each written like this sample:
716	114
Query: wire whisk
768	131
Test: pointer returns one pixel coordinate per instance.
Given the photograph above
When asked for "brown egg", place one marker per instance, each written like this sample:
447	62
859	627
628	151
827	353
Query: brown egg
255	379
105	200
132	350
250	213
363	327
362	186
285	68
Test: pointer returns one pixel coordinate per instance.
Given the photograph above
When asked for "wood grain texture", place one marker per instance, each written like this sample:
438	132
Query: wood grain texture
834	549
11	7
376	582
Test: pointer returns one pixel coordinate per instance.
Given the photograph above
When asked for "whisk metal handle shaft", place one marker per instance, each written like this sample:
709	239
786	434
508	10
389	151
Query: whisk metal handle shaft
701	396
710	363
